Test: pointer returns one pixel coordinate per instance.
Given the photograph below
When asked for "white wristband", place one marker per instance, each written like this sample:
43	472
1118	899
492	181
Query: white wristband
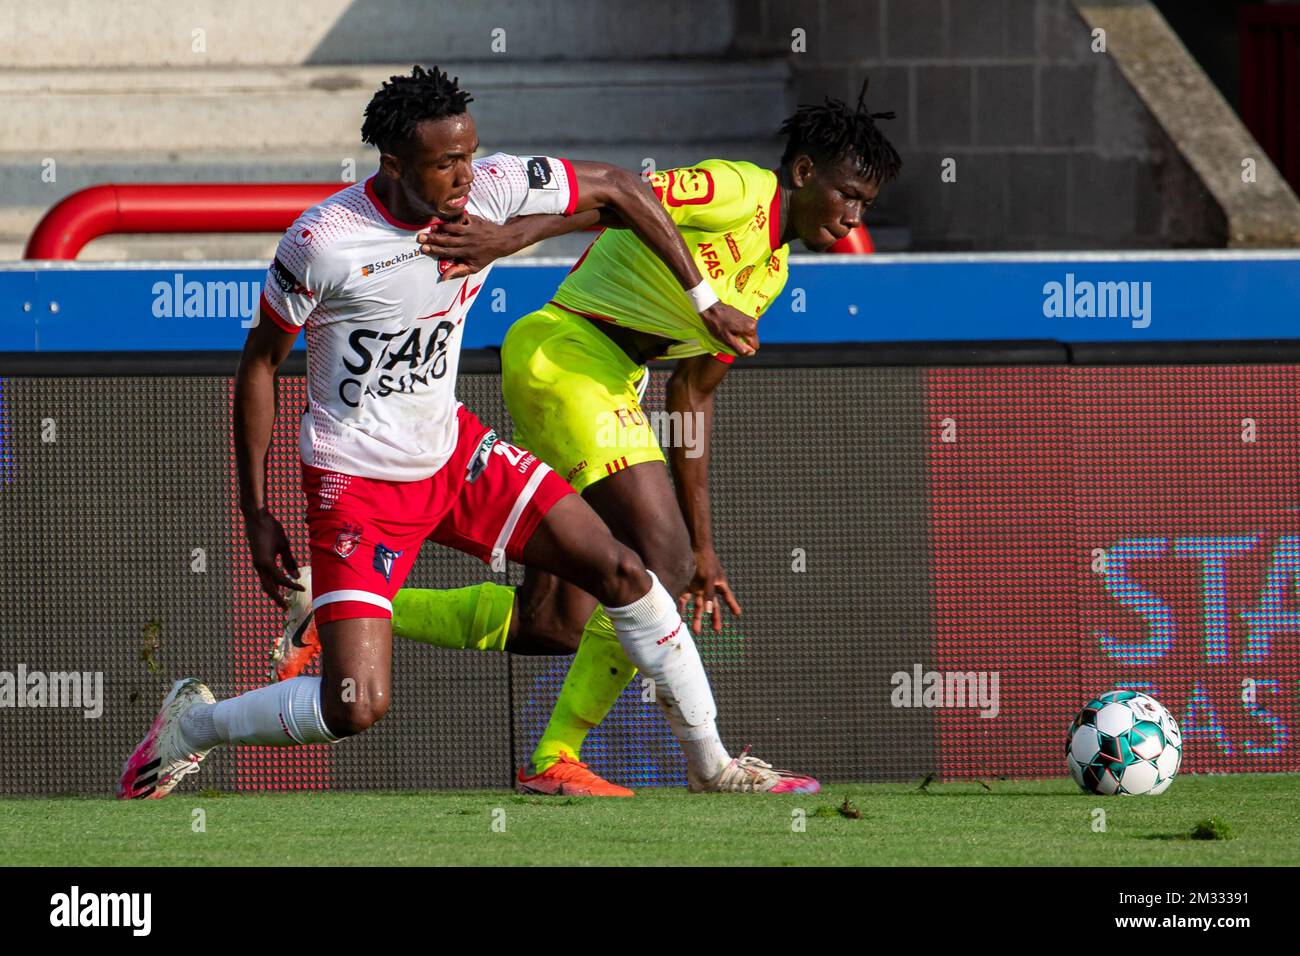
703	296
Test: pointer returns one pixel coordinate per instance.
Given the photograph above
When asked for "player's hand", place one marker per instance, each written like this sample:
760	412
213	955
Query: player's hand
731	327
469	245
708	590
268	542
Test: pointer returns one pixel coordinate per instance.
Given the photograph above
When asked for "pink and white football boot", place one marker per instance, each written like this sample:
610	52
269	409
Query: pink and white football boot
163	758
746	774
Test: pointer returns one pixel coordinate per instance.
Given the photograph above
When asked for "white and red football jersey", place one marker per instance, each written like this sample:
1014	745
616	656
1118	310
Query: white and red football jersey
383	333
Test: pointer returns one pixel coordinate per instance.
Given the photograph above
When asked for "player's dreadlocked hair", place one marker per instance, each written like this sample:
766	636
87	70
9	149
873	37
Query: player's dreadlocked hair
404	101
835	130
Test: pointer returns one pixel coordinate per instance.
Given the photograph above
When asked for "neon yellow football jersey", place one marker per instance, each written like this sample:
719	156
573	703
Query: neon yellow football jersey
729	216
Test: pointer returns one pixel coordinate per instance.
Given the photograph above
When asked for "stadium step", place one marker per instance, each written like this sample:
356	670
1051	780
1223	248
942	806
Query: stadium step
295	32
294	124
314	107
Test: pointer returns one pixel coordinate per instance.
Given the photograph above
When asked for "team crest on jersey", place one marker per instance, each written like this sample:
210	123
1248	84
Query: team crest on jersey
774	264
384	560
345	544
689	187
742	277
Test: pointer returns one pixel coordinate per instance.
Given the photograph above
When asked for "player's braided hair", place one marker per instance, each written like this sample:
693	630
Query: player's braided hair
835	130
402	102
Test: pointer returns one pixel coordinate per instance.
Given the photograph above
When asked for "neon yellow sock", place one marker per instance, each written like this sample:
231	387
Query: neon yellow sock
598	674
476	617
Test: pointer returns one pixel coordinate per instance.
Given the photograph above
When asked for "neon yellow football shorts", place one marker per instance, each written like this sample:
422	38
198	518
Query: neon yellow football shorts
573	395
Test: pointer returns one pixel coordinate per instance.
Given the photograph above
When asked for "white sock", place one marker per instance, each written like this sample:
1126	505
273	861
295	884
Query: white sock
286	714
657	642
705	755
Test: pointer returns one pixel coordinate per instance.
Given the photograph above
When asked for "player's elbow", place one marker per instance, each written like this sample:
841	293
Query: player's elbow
612	186
252	366
266	347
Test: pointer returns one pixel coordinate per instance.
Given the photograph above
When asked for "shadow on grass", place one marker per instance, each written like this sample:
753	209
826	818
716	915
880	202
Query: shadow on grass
1209	829
931	787
945	792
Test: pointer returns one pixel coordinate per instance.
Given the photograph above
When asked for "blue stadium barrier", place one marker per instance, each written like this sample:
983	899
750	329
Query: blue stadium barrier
1091	297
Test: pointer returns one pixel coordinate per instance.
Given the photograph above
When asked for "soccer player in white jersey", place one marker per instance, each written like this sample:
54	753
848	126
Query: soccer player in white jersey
390	458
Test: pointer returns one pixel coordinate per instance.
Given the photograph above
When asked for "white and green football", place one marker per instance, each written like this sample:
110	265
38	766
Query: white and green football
1125	743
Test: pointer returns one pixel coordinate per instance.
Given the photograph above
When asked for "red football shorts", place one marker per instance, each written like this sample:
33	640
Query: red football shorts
366	532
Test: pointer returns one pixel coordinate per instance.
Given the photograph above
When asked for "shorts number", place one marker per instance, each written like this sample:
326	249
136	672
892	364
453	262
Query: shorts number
513	455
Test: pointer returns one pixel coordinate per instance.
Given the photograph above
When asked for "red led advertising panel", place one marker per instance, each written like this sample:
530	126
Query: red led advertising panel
1102	528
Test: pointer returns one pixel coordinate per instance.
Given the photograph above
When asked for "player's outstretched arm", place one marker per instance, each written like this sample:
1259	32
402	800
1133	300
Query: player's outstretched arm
474	243
602	186
256	400
690	395
609	195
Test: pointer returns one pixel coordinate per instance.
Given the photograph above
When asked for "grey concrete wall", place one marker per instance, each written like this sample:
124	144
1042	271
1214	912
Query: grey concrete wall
1053	148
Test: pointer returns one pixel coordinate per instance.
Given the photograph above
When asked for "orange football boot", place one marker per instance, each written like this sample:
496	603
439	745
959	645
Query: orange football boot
569	778
298	644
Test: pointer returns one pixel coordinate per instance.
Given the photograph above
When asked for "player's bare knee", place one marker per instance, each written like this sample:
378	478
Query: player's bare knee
627	578
675	571
671	560
540	626
559	635
350	721
546	635
347	718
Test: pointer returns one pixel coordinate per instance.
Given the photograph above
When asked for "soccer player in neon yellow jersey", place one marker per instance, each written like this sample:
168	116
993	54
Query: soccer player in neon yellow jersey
573	373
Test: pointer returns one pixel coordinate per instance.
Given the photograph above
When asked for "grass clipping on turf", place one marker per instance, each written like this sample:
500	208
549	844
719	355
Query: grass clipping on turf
1212	828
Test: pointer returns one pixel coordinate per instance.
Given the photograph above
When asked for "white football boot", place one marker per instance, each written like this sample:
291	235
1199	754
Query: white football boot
746	774
157	765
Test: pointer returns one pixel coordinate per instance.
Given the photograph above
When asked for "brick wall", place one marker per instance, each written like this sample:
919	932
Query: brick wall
1053	149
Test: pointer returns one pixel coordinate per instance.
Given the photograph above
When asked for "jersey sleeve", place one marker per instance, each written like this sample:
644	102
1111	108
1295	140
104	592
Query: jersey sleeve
301	277
506	186
713	196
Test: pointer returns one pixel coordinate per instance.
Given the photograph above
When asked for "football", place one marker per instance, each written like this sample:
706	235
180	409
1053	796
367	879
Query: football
1125	743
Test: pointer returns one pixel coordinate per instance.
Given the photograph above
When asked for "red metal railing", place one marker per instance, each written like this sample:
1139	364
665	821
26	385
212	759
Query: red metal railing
202	207
180	207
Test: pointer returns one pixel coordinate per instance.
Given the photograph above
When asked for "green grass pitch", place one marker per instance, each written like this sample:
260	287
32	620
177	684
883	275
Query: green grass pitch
1003	822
